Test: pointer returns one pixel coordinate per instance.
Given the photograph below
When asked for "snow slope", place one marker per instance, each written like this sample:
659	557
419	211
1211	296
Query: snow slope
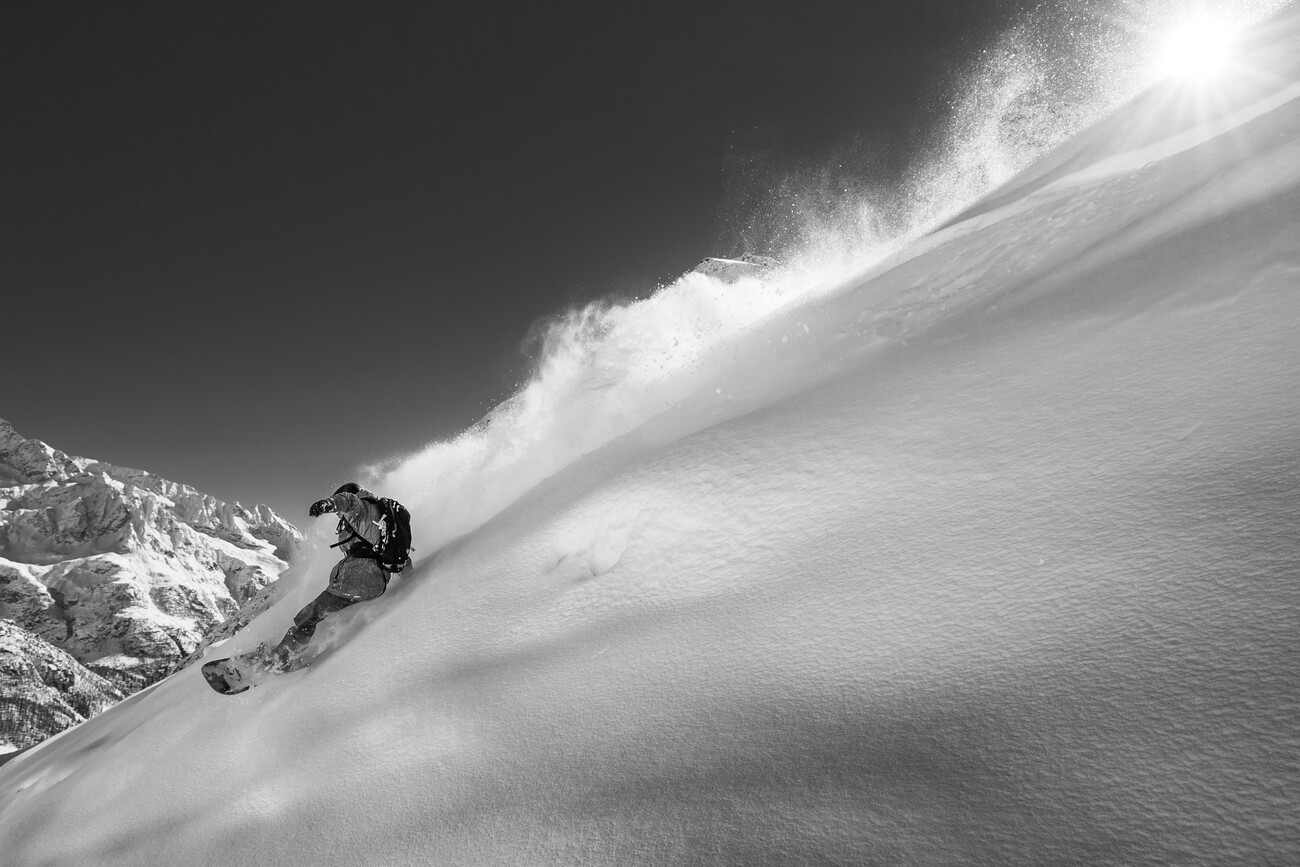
985	555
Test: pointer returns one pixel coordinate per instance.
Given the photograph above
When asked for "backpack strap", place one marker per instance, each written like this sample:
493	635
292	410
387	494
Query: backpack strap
375	554
355	536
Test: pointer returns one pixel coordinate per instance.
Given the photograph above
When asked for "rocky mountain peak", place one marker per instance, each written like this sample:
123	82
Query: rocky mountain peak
121	570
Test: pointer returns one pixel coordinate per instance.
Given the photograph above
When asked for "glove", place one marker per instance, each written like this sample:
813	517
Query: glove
320	507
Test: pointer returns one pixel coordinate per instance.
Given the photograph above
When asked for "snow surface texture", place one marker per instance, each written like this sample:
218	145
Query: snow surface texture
987	554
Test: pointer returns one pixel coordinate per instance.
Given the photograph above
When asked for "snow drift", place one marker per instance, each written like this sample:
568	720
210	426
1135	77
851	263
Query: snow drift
983	554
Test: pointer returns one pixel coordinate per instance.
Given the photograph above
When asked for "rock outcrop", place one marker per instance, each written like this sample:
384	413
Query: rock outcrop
121	570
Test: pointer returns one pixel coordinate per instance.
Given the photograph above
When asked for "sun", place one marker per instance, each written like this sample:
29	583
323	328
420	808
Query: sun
1199	48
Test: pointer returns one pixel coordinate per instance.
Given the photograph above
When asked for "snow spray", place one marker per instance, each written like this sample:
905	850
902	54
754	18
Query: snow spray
608	368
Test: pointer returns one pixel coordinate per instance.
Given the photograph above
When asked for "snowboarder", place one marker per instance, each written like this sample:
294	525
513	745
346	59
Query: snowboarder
375	535
361	574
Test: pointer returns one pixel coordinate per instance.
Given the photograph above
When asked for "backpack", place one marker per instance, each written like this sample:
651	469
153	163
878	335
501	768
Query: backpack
394	551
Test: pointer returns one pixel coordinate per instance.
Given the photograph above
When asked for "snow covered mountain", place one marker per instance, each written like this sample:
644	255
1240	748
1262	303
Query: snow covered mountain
108	577
985	553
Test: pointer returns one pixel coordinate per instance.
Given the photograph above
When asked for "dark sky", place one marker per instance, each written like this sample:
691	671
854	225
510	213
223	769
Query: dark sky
248	246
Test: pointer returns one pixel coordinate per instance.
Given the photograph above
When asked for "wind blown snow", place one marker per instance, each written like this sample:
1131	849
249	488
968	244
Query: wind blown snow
608	368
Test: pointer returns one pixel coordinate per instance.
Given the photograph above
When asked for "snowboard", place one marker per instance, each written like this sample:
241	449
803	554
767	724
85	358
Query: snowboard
232	675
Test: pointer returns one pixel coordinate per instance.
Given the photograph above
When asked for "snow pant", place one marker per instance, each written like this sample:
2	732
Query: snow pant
305	621
357	577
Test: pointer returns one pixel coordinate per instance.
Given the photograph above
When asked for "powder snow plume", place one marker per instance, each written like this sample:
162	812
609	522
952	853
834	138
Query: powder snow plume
609	368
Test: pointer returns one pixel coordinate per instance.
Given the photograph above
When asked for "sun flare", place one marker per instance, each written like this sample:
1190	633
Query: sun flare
1198	49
